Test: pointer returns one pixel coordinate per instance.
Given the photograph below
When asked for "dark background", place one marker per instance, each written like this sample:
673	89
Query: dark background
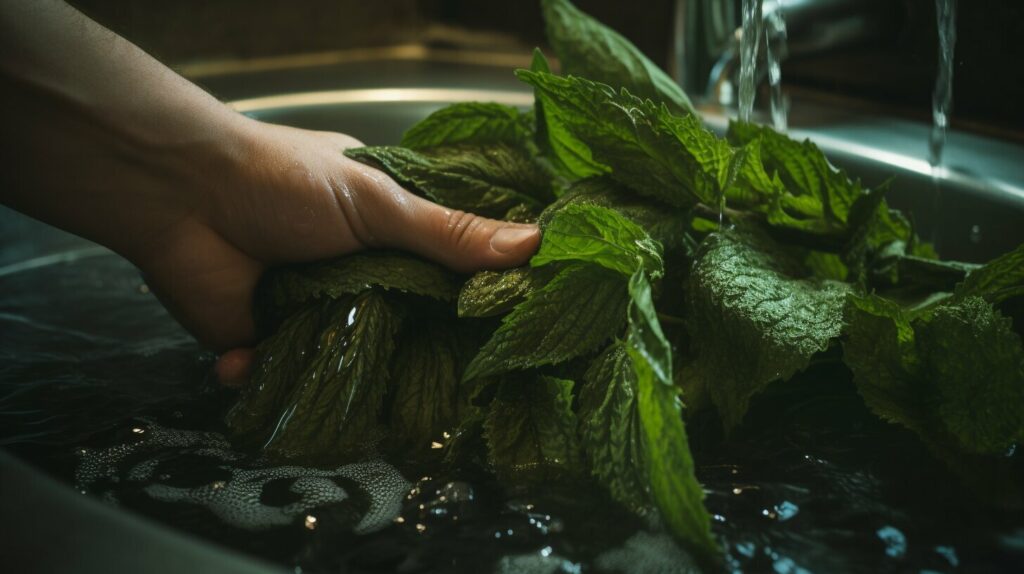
894	71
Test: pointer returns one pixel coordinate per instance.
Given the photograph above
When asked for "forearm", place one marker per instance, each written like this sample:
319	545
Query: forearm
100	138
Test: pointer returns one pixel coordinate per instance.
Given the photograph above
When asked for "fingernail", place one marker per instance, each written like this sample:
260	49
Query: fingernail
508	238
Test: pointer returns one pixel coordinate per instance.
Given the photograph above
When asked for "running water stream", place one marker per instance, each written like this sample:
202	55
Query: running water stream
775	51
942	100
749	41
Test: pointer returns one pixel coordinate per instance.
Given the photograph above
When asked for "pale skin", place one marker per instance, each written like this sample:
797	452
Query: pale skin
104	141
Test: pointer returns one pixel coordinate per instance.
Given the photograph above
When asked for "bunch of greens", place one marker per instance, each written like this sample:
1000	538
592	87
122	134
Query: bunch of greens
674	266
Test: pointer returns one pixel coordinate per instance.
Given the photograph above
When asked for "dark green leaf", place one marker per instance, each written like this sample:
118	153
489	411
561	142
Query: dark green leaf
670	469
589	49
610	427
998	280
572	315
531	430
332	408
598	235
491	293
486	180
467	122
426	374
754	317
289	286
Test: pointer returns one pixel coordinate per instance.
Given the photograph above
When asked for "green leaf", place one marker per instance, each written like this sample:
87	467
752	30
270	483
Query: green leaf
610	427
568	155
589	49
483	179
426	373
754	317
670	469
490	293
953	374
598	235
665	225
572	315
279	362
287	287
669	158
469	123
332	408
976	361
531	430
998	280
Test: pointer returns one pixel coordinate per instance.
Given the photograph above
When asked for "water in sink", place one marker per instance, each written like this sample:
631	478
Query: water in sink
101	388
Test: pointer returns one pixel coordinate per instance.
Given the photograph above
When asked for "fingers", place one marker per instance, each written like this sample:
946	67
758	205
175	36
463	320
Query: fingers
463	241
234	367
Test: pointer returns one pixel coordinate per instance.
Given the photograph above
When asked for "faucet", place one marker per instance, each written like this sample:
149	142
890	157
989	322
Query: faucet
707	35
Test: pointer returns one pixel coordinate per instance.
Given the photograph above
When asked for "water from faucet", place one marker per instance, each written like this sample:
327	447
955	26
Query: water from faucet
942	96
775	51
752	26
942	102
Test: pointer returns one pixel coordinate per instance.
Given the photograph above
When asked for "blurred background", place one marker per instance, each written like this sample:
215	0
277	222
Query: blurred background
879	55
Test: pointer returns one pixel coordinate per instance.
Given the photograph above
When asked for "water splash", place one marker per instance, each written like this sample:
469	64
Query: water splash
775	50
749	40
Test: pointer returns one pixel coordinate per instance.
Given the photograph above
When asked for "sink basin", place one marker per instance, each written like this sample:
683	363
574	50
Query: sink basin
973	209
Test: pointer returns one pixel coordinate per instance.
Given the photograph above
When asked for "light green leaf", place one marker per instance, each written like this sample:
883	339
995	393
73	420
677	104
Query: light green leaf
754	317
572	315
670	469
598	235
470	123
568	155
589	49
531	430
669	158
483	179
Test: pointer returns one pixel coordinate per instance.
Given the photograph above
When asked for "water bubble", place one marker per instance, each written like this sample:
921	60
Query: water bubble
975	235
894	540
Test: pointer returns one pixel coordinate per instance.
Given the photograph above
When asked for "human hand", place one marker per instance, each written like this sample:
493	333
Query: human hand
290	195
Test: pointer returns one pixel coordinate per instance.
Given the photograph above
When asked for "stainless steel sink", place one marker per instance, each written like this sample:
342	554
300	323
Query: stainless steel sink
980	213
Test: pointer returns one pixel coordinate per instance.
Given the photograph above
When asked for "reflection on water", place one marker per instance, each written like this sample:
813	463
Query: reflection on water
102	389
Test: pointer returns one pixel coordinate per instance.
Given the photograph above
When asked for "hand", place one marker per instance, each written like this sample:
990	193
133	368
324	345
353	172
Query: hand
291	195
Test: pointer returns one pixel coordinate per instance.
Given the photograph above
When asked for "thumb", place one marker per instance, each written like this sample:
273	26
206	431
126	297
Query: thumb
463	241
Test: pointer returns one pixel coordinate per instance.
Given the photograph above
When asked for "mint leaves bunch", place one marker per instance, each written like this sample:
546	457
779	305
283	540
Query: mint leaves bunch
675	266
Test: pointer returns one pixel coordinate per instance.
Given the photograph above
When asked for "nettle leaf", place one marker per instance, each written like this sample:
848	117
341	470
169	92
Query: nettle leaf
425	380
292	285
332	408
669	158
483	179
976	360
953	374
588	48
490	293
531	430
598	235
468	123
572	315
664	224
670	469
568	155
754	317
610	427
279	362
997	280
